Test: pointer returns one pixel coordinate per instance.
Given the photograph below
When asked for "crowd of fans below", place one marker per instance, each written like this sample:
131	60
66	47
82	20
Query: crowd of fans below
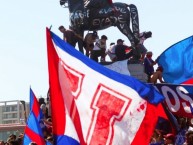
165	133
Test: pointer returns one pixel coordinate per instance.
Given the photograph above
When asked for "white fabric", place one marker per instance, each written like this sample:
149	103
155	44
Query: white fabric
112	49
99	46
120	67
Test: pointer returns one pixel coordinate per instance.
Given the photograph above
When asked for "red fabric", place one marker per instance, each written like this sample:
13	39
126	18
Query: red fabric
188	82
148	125
36	107
34	137
57	101
57	107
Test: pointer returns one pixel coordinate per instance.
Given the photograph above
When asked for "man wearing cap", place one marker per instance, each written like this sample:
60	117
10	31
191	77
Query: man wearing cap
120	50
169	139
99	49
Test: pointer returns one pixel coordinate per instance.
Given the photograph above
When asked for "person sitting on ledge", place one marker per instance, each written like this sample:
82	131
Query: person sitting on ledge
157	76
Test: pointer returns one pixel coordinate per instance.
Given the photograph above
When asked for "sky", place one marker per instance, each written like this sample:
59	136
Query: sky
23	55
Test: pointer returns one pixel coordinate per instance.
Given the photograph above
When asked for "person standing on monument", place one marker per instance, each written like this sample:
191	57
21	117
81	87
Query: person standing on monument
71	37
148	64
68	35
89	40
99	49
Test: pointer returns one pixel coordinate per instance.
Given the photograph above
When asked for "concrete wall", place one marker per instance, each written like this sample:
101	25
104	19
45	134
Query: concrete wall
137	71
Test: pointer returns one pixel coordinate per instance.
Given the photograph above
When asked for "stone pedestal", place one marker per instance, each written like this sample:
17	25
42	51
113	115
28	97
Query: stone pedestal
137	71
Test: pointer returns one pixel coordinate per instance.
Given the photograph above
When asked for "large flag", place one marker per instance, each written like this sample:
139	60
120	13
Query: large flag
104	107
177	62
33	131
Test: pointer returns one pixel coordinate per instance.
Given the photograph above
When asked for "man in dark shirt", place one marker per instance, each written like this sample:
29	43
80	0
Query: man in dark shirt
148	64
120	50
72	38
68	35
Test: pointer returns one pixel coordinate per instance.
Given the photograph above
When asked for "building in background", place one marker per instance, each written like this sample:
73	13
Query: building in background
13	115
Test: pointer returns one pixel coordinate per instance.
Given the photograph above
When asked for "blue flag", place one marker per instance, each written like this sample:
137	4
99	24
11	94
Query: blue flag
177	62
34	105
33	131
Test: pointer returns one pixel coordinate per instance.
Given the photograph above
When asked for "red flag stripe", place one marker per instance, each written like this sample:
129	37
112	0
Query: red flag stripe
190	81
36	107
152	114
59	121
34	136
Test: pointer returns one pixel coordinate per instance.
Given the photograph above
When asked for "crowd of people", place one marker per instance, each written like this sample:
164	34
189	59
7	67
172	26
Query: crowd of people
13	140
97	50
166	133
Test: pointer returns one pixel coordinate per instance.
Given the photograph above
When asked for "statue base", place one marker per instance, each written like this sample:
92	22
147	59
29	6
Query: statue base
137	71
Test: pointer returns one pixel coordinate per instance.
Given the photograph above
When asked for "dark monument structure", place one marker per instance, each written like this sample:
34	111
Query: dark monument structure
101	17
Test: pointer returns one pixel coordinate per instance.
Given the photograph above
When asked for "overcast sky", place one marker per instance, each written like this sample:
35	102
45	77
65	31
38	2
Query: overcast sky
23	56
